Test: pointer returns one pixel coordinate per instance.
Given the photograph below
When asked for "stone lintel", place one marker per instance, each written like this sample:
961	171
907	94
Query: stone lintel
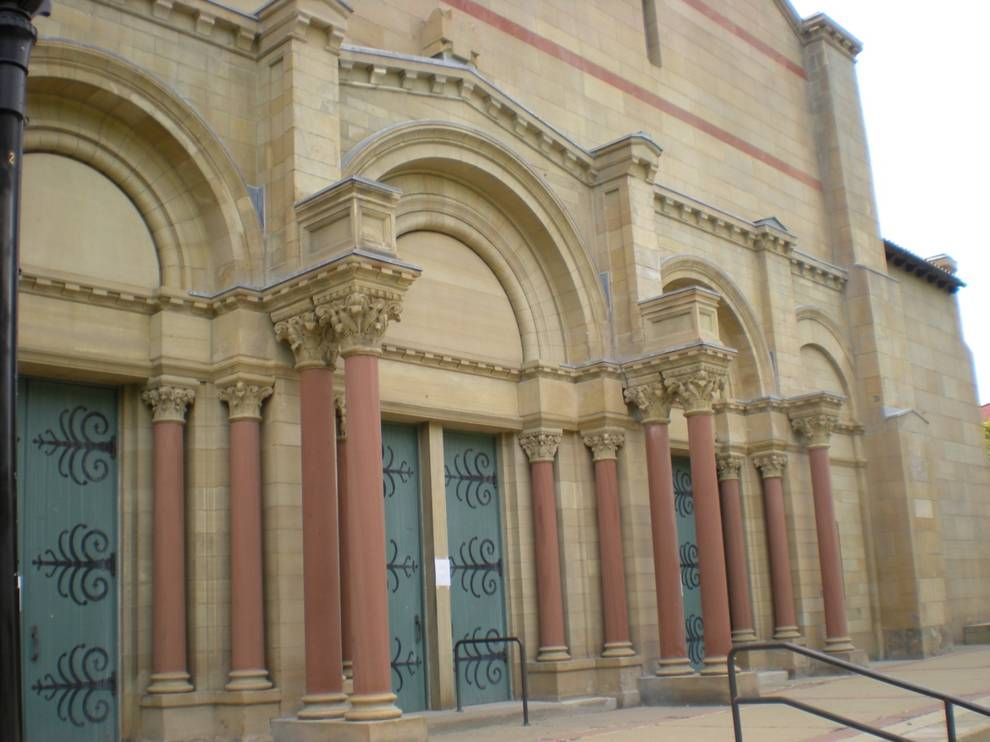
681	317
352	213
635	155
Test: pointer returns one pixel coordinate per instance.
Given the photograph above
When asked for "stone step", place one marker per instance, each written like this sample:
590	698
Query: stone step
772	680
507	712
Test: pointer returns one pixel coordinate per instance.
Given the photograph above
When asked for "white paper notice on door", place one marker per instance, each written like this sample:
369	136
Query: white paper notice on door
442	572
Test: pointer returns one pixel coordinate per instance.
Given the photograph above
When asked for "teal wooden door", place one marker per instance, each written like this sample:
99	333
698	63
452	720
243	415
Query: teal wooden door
404	560
67	493
477	589
694	625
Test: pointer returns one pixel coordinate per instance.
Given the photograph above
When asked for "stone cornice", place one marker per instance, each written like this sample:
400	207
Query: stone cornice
821	27
408	74
244	395
540	444
604	442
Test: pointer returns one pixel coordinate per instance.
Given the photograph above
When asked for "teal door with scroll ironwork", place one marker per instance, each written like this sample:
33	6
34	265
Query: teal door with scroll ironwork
477	575
404	564
67	506
694	625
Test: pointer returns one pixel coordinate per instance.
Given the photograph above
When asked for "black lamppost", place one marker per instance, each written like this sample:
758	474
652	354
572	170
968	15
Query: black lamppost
17	36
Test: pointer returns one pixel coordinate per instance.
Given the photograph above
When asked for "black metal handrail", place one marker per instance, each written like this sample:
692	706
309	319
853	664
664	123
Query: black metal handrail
948	701
522	662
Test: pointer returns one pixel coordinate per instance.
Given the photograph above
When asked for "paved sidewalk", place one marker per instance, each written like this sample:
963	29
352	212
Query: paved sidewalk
964	672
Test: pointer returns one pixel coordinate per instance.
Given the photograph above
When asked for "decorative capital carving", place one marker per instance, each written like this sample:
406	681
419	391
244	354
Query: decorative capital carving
729	465
695	387
816	427
340	411
604	443
540	444
244	398
168	403
359	318
770	464
652	400
308	340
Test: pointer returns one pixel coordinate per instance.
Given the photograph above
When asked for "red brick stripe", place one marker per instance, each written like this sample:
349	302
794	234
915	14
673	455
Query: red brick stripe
652	99
737	30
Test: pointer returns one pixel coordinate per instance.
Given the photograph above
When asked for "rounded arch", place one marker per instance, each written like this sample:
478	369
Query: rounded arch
819	332
683	270
94	107
550	278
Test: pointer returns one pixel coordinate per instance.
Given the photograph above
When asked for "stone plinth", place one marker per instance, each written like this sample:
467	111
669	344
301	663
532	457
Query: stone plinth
977	633
694	690
402	729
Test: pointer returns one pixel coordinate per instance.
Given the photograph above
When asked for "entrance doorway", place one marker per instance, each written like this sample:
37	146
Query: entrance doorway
477	589
694	625
404	564
67	505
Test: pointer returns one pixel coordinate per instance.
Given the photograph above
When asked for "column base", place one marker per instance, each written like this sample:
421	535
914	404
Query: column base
717	665
618	678
553	654
323	706
618	649
246	680
694	690
788	634
373	707
743	636
838	645
403	729
169	682
674	667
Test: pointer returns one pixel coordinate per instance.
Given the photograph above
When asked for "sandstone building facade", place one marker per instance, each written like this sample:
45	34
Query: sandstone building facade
351	330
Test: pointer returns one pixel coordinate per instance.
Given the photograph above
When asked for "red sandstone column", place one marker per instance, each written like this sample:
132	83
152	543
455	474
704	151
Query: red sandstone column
740	606
169	668
324	697
816	427
695	385
654	403
604	445
345	577
247	614
541	447
771	466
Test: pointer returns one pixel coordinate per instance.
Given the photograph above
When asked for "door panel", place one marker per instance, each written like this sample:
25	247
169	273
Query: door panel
477	591
694	625
404	559
67	491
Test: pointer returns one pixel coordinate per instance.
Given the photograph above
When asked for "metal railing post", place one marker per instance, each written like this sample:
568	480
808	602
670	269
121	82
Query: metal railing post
490	640
733	699
950	722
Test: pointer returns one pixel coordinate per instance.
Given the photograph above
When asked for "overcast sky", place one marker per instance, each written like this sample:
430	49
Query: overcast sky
923	77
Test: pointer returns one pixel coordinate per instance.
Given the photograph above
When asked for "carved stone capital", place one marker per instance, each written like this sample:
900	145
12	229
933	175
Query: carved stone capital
604	442
815	428
540	444
244	398
652	400
696	386
729	465
308	340
168	403
770	464
340	411
358	318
